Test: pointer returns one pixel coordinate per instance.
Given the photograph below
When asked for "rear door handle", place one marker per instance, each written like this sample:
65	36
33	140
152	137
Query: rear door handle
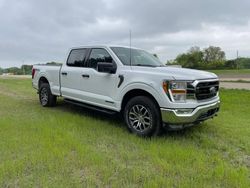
85	75
64	73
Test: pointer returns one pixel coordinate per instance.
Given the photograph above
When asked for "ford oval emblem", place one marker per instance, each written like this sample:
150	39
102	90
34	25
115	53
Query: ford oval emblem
212	90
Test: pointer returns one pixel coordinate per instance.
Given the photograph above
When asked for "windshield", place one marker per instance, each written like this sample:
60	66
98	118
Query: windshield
138	57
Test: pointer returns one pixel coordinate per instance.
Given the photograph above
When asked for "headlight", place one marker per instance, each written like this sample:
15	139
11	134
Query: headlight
176	90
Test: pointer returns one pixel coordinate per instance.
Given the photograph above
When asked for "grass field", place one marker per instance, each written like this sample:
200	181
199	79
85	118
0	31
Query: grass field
68	146
232	71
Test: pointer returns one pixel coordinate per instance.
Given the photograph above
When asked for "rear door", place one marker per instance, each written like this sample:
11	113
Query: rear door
71	74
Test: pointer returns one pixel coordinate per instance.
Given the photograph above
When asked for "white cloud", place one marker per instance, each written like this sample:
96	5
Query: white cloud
43	30
229	38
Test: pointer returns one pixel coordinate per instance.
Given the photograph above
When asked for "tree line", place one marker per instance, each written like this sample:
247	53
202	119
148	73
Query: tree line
211	57
23	70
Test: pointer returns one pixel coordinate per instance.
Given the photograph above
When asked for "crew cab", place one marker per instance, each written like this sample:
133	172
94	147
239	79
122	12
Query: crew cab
130	81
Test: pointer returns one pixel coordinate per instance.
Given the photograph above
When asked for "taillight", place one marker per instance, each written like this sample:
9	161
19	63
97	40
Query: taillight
33	72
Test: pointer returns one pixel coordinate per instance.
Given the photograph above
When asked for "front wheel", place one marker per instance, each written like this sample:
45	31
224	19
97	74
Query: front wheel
47	99
142	116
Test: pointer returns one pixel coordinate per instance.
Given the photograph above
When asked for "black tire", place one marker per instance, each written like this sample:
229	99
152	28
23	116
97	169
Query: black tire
47	99
142	116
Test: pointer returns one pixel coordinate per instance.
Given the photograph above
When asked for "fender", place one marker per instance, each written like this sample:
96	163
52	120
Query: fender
42	74
55	89
36	79
142	86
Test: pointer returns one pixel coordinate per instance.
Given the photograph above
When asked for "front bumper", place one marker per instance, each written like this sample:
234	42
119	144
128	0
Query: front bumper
201	113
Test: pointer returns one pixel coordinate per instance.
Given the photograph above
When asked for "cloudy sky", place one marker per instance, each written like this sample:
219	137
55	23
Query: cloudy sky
38	31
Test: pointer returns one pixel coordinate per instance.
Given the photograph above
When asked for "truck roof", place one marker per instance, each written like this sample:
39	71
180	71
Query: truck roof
102	46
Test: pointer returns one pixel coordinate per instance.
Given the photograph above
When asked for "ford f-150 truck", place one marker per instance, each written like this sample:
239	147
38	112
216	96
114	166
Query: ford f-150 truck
149	94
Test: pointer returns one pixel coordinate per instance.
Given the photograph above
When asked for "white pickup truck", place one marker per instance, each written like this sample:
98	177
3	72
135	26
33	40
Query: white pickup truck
131	81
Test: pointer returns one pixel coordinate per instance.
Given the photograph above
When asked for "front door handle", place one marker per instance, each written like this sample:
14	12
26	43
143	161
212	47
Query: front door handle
85	76
64	73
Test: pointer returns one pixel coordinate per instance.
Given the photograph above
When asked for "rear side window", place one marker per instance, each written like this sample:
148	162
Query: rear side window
76	58
98	55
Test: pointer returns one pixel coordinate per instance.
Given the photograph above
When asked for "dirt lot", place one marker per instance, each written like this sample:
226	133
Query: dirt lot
15	76
235	85
234	76
226	78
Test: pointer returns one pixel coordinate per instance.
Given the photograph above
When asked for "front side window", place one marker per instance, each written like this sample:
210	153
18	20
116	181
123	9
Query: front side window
76	58
98	55
136	57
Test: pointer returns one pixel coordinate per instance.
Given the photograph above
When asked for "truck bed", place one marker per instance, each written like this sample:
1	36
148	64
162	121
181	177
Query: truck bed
52	74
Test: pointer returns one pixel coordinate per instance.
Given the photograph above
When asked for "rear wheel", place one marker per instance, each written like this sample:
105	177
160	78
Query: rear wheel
47	99
142	116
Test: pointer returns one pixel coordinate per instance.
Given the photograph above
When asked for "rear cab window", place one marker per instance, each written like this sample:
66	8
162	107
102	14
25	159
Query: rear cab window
77	57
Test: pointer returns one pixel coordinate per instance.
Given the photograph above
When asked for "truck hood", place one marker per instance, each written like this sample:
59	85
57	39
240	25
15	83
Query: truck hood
178	73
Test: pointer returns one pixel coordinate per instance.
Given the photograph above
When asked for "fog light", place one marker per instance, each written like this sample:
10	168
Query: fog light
184	111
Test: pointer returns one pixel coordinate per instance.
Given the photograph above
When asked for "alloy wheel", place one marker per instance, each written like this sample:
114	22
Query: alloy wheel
140	118
44	96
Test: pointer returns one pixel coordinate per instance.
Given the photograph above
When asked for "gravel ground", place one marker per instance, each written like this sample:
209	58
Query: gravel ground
235	85
242	76
234	77
15	76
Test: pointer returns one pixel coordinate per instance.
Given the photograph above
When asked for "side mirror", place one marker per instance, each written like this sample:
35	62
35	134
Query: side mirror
106	67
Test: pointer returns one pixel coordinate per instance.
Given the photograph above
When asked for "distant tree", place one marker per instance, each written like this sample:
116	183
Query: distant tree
209	58
194	49
26	69
171	62
53	63
213	54
214	58
243	62
231	64
14	70
192	59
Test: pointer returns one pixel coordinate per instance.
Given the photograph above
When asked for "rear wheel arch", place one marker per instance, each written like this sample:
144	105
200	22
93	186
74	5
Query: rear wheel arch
42	80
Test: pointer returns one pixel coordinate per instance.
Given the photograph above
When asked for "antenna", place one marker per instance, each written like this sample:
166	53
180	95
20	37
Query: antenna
130	62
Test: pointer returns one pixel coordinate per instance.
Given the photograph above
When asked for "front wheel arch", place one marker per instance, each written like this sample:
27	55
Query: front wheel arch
137	92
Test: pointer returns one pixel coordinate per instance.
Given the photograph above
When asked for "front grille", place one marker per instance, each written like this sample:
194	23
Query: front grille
190	91
206	90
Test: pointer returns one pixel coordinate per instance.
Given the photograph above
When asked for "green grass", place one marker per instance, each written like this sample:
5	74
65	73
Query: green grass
231	71
68	146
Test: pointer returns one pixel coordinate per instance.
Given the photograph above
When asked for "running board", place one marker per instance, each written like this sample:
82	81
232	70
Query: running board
91	107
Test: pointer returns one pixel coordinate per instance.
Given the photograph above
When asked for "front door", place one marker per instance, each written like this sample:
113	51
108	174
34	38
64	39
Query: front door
100	87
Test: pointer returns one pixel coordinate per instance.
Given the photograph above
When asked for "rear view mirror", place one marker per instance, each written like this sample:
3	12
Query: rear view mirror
106	67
